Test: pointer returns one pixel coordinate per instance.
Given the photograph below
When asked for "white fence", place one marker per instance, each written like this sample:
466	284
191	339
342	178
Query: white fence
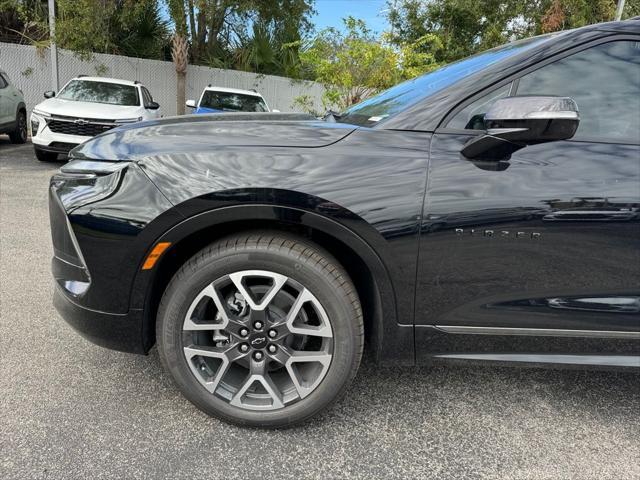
30	70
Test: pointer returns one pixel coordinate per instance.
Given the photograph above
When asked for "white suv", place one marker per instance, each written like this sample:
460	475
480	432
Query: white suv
84	108
220	99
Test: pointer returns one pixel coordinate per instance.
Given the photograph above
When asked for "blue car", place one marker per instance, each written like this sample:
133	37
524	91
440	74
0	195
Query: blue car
219	99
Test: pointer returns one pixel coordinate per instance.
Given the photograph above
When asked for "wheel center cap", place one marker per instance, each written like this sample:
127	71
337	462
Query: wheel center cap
258	340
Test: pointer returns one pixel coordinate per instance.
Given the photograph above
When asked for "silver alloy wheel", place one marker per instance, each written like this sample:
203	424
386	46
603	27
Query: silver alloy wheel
257	339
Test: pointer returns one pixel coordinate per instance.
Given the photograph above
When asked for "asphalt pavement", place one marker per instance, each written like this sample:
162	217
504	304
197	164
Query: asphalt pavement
72	410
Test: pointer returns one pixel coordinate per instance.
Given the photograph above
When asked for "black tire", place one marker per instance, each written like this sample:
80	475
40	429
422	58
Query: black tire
302	262
19	135
45	156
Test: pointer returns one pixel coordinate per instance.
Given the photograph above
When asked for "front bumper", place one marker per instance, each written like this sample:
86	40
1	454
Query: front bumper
118	331
99	216
115	331
45	138
56	147
72	280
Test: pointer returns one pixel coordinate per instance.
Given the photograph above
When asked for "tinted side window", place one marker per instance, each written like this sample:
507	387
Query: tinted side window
471	117
146	96
605	83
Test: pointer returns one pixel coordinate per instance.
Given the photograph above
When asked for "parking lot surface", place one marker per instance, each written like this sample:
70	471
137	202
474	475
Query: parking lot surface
69	409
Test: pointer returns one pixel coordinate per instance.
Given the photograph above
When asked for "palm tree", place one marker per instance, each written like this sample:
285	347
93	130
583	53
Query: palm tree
142	31
269	50
180	55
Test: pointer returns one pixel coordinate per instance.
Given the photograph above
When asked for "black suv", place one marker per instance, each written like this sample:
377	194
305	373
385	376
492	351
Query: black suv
488	211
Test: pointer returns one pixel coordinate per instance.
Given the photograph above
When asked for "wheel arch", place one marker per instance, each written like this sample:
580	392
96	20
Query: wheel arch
361	261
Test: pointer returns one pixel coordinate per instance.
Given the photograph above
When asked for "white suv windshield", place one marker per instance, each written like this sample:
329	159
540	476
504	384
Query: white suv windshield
236	102
100	92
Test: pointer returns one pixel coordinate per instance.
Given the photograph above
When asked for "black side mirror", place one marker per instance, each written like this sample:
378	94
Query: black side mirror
152	105
49	94
513	123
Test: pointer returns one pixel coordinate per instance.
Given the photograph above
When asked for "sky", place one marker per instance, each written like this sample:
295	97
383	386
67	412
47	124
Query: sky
331	12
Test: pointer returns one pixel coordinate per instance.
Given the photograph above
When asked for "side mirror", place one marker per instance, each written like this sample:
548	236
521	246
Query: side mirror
190	103
513	123
152	105
49	94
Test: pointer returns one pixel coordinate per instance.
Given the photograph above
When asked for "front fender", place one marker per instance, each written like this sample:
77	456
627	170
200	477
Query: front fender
281	214
357	236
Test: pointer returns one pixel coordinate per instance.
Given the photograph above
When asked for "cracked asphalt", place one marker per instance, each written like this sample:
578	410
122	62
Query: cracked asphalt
72	410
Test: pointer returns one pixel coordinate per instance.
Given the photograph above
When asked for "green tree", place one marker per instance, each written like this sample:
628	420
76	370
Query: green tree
352	65
141	30
419	56
262	36
565	14
23	21
464	27
125	27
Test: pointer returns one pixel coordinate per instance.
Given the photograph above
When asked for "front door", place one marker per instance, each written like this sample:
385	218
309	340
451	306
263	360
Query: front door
5	102
540	255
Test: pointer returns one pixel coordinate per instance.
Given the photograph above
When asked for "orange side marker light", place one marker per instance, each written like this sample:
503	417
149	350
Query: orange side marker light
155	255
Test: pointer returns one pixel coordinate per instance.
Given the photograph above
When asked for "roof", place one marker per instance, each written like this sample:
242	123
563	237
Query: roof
630	25
233	90
106	80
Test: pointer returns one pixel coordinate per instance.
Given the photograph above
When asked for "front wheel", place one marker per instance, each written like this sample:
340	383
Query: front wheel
261	330
19	135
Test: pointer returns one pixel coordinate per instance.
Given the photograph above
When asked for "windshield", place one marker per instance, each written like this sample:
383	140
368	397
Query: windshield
235	102
404	95
100	92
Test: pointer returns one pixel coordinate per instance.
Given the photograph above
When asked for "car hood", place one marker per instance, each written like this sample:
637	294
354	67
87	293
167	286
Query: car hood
71	108
207	133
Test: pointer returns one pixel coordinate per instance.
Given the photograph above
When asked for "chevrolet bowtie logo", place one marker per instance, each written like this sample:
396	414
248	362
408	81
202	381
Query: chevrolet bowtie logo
80	121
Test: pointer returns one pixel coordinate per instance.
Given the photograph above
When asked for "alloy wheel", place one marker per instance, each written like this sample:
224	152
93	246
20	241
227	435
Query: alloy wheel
22	127
257	339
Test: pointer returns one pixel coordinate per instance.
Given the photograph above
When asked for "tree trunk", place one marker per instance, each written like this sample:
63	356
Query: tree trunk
199	37
195	48
180	54
181	92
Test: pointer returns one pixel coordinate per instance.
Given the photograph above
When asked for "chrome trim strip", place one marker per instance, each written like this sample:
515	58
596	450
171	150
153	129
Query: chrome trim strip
537	332
545	358
552	115
86	122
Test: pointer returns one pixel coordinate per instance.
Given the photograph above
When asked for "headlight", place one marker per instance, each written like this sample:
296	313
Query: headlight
128	120
83	181
35	124
40	113
37	117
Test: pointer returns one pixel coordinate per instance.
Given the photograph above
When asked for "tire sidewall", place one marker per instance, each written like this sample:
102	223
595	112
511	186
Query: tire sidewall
22	127
340	310
20	134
